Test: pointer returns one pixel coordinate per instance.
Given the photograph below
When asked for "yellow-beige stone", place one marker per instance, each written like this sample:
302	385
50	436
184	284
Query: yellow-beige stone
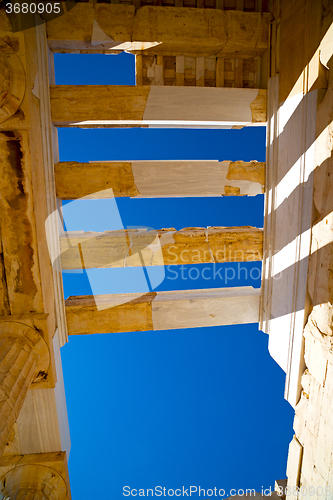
132	248
158	178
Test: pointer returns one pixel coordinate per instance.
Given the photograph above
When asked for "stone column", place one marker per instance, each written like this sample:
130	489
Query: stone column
158	179
143	105
162	310
136	248
24	361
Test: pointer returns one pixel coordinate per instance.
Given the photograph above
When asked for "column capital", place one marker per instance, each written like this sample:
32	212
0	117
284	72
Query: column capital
24	363
12	82
41	476
30	336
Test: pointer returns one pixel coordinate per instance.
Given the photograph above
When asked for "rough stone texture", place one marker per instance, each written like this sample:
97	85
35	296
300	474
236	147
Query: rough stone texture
75	180
22	273
17	370
299	26
313	423
131	248
12	81
202	308
231	191
34	482
77	103
84	318
105	105
4	300
27	300
251	171
39	476
177	30
158	178
162	310
24	360
258	107
201	71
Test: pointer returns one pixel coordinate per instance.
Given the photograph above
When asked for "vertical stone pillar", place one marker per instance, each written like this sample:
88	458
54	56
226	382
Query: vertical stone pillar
24	360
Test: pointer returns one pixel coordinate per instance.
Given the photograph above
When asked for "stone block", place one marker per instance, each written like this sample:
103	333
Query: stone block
314	406
327	405
324	449
305	381
295	456
315	356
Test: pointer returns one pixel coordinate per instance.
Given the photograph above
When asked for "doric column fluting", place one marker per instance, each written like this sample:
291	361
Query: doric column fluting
24	361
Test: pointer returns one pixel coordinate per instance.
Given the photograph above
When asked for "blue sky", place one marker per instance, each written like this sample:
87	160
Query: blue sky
200	407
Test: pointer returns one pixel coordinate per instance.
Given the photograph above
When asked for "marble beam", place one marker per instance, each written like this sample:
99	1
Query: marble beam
169	30
158	179
162	310
136	248
144	105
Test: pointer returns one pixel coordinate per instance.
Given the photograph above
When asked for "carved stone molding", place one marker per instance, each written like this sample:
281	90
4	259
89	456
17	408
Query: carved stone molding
12	82
33	482
41	476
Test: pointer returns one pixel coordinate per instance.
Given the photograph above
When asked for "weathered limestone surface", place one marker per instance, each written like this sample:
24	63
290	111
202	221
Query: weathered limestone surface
42	425
131	248
132	316
253	171
300	36
313	423
76	103
168	29
258	107
4	300
30	315
25	152
198	308
157	178
24	360
108	105
22	273
39	476
292	141
12	81
75	180
201	71
162	310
